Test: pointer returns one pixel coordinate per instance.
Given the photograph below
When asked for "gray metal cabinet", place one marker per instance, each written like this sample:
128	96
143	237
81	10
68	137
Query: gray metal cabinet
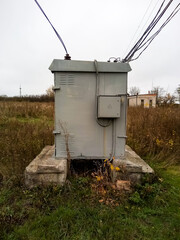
90	108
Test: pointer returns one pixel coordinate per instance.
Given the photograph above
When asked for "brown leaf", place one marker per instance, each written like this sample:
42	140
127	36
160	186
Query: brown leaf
123	185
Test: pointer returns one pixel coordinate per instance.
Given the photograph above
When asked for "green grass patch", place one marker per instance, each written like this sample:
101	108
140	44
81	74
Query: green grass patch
152	211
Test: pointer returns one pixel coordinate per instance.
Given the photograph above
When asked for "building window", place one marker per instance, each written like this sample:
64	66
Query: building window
150	103
142	102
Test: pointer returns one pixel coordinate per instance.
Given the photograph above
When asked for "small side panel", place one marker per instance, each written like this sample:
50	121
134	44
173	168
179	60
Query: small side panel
108	107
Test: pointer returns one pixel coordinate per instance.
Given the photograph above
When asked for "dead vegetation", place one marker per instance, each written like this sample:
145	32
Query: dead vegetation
155	133
25	128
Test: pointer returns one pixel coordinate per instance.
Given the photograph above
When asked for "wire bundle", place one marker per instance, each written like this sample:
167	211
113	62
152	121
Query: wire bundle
144	41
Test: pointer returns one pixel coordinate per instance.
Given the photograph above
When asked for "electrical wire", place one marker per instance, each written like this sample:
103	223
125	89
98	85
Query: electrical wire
143	41
139	26
143	27
59	37
175	11
104	122
156	33
145	34
101	122
113	139
148	30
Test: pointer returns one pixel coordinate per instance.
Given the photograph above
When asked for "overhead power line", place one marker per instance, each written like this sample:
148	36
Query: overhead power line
144	41
139	26
147	43
57	34
143	27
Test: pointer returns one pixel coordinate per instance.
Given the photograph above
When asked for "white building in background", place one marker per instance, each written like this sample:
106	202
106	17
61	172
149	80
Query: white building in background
143	100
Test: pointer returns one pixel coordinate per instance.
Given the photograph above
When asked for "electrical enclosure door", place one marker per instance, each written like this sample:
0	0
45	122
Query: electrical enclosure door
78	110
109	107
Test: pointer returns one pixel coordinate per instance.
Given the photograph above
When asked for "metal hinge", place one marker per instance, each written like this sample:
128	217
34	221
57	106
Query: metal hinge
121	136
56	132
56	88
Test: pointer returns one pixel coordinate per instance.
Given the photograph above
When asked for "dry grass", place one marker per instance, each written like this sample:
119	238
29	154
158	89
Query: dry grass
26	109
155	133
25	128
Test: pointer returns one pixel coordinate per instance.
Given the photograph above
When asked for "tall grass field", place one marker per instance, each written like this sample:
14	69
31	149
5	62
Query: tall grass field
77	210
155	133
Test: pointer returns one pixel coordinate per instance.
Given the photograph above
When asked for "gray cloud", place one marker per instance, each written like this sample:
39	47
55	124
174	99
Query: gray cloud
91	30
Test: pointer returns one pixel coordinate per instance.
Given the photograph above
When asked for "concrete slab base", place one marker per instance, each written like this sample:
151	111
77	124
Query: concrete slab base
132	167
45	169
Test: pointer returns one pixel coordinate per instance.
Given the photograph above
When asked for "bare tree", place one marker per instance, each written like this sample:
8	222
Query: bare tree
134	91
159	91
162	97
178	92
168	99
50	92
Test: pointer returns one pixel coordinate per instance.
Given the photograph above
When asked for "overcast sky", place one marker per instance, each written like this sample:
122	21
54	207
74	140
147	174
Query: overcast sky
91	29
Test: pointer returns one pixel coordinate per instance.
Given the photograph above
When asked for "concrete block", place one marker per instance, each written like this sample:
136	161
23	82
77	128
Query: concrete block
132	167
135	159
46	169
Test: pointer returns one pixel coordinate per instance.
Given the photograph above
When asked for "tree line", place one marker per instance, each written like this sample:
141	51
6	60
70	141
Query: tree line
47	97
